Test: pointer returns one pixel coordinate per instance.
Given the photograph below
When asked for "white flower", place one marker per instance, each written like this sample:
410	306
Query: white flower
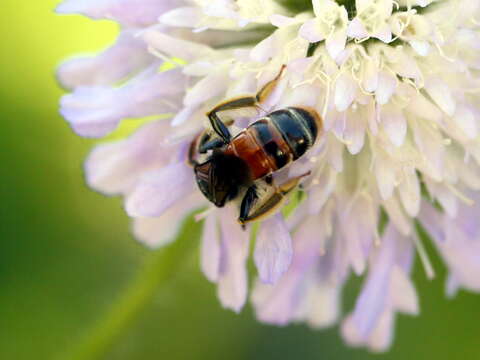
372	20
397	86
330	24
222	14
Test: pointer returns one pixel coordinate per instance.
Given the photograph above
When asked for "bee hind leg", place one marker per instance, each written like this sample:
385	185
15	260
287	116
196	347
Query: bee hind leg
256	206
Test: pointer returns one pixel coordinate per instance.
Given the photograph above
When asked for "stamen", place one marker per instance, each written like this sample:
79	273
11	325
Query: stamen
427	264
377	240
327	100
442	54
204	214
462	197
164	57
475	21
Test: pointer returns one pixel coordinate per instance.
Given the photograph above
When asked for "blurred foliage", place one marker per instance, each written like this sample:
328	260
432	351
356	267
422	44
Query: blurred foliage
296	6
66	254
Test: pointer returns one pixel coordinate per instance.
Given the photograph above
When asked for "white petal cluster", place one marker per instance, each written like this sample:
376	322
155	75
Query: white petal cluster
397	84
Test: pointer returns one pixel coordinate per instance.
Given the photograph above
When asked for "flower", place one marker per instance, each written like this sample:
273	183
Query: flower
330	24
397	86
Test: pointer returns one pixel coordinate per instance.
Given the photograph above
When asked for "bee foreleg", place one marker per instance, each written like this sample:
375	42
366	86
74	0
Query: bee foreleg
239	103
210	145
218	126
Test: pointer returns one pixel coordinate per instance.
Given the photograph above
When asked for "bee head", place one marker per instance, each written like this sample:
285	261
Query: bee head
220	177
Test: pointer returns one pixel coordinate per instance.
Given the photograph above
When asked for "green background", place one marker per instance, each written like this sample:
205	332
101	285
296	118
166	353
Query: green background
74	284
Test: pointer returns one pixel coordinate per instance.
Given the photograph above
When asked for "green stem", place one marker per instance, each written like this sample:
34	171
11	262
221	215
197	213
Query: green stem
159	267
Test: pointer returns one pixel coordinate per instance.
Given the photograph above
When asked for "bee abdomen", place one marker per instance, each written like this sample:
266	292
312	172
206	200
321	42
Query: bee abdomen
271	141
298	128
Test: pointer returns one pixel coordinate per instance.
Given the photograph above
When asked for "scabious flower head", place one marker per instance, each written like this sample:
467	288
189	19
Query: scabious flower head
397	85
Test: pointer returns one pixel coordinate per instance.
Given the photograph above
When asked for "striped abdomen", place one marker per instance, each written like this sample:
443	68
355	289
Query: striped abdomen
276	140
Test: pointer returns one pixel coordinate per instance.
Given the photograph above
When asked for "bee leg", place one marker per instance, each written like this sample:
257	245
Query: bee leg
219	127
248	202
256	207
192	149
268	88
210	144
241	102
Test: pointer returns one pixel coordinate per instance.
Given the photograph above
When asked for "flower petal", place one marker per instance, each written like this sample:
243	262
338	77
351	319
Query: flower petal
386	87
273	250
409	190
311	31
394	124
211	251
336	43
114	168
207	88
441	94
232	284
281	302
160	231
175	47
97	111
187	16
128	12
159	190
345	92
127	56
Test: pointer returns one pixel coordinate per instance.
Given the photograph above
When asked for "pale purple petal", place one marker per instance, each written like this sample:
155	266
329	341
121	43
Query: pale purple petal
384	34
278	304
409	191
282	21
265	49
466	119
457	241
345	92
92	111
382	337
442	95
232	284
404	295
207	88
394	124
114	168
273	250
158	190
127	56
359	222
387	84
160	231
336	43
356	29
354	132
385	175
386	291
211	251
325	303
310	31
187	16
320	193
374	297
128	12
97	111
174	46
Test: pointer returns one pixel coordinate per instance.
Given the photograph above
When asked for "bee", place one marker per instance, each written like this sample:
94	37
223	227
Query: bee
243	165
